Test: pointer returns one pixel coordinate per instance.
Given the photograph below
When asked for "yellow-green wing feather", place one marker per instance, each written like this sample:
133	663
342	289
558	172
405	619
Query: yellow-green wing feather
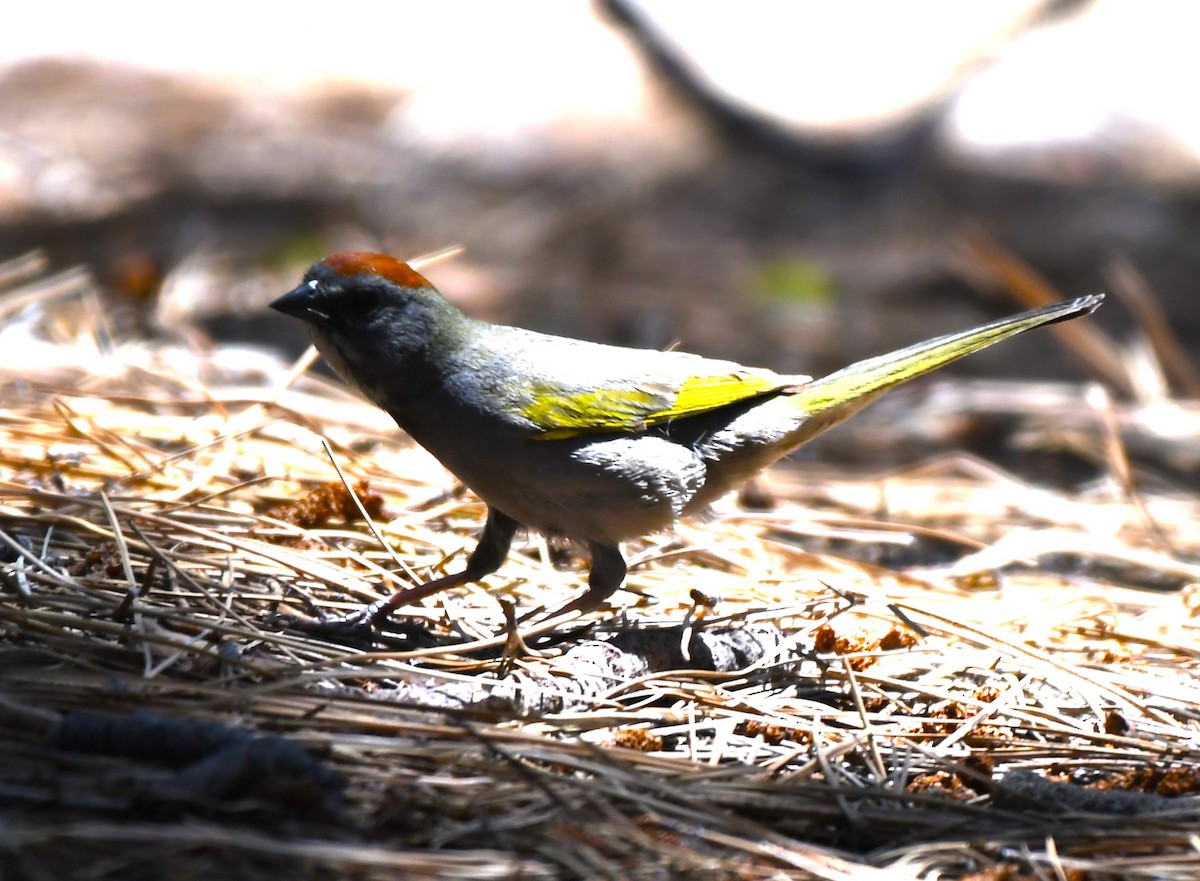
638	407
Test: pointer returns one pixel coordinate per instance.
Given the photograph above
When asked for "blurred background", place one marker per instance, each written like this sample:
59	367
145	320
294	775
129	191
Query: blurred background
789	184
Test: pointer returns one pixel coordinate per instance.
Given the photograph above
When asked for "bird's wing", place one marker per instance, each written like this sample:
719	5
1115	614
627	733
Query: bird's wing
637	406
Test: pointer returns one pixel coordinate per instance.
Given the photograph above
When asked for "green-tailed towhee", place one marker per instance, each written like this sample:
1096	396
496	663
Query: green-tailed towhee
592	442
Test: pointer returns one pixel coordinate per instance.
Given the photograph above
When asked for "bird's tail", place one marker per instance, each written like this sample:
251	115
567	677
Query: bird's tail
829	400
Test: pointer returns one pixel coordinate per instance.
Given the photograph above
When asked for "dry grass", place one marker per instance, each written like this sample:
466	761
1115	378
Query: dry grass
920	655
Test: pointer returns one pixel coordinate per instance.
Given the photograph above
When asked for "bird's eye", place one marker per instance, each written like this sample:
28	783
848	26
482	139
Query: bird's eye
363	305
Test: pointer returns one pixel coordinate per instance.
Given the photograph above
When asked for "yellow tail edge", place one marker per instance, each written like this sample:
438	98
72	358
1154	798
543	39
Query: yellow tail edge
861	381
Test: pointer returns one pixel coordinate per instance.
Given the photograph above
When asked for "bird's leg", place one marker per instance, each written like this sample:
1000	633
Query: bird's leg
493	547
608	572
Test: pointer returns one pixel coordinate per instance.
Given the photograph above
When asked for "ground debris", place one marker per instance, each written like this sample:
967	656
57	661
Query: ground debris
935	667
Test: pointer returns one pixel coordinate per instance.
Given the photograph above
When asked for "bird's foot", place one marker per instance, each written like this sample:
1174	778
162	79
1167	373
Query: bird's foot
359	628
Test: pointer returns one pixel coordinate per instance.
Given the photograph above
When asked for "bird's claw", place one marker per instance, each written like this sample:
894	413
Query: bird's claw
357	628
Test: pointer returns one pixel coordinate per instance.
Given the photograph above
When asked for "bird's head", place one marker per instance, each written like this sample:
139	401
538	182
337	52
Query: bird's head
372	316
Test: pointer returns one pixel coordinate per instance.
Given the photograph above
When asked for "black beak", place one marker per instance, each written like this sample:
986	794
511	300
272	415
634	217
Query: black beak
301	303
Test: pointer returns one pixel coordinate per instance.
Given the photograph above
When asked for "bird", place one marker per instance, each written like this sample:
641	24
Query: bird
596	443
